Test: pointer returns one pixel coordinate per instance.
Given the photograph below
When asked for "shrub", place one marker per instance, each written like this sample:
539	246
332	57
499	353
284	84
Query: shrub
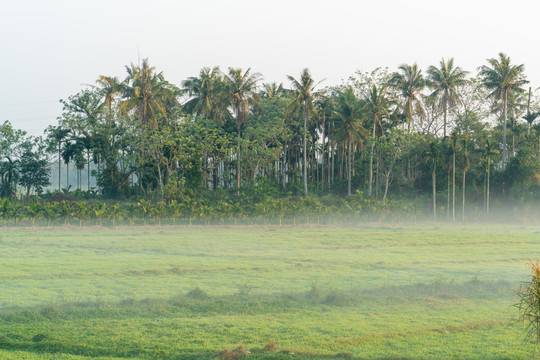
529	304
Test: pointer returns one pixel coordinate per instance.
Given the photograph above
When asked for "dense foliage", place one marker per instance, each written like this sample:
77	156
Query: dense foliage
448	138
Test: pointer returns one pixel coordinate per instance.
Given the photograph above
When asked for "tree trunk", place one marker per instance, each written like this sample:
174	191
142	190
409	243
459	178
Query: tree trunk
488	171
59	163
88	164
238	163
349	170
463	197
371	159
448	198
454	186
386	185
504	128
305	147
322	157
434	182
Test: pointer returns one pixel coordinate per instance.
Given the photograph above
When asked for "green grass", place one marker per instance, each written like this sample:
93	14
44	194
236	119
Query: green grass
366	292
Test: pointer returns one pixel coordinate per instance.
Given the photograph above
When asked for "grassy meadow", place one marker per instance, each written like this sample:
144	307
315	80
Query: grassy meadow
358	292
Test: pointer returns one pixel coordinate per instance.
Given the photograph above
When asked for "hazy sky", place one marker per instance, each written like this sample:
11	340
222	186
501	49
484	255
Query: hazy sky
50	49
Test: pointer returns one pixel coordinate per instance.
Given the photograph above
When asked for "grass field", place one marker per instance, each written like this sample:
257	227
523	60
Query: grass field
365	292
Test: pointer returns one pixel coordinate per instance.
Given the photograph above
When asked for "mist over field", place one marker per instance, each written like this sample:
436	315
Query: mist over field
366	291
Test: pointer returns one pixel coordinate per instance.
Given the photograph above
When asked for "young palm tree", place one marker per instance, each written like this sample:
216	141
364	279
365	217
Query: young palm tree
502	79
349	125
303	89
410	82
243	91
444	81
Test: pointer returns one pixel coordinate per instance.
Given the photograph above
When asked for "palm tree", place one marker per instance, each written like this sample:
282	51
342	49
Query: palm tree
303	89
109	87
208	94
147	94
243	91
349	125
57	136
445	81
272	89
410	82
502	79
378	106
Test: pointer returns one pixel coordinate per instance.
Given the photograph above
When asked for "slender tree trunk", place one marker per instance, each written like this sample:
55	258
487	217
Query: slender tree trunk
454	186
305	147
448	198
504	128
371	159
444	118
88	164
322	157
386	185
349	169
463	197
488	171
238	164
67	176
59	163
434	181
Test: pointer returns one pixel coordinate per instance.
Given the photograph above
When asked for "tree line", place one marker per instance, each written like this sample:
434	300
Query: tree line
390	135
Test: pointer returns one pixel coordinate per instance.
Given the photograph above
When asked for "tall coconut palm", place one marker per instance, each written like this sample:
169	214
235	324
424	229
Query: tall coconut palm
243	91
445	81
349	122
147	94
303	89
208	94
502	78
378	105
409	81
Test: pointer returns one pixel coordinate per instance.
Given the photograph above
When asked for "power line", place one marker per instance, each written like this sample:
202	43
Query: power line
33	118
30	103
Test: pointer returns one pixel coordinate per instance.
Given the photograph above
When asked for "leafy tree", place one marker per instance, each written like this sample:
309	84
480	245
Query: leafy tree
34	171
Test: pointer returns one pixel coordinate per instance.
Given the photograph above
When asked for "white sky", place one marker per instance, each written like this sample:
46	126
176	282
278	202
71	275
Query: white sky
49	49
